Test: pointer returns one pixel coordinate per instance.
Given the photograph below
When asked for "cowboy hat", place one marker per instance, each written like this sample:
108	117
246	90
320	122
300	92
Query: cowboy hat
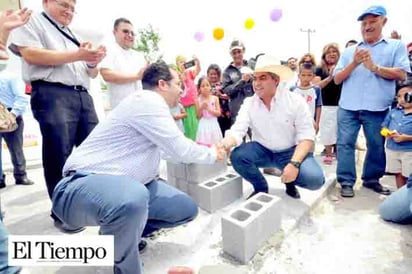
267	63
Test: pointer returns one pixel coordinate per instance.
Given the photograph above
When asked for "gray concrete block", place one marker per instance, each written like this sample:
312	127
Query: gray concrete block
172	181
246	228
217	192
182	185
175	169
198	173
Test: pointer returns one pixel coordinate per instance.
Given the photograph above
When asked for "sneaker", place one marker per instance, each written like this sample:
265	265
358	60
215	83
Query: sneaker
347	192
327	160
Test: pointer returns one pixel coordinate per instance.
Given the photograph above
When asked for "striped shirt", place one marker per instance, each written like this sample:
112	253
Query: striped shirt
131	139
40	33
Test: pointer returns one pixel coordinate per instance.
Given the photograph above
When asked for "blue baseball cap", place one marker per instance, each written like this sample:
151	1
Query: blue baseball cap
373	10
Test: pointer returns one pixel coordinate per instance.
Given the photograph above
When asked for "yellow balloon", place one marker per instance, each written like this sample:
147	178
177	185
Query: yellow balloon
218	33
385	132
249	23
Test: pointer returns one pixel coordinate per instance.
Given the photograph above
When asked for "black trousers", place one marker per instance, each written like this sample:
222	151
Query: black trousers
14	141
66	116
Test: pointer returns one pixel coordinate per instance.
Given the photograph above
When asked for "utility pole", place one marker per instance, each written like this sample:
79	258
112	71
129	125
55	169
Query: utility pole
309	31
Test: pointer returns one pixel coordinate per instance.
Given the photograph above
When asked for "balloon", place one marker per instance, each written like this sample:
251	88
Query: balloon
199	36
275	15
218	33
249	23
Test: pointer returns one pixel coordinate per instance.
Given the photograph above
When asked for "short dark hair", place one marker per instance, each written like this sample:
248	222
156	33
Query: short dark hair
120	20
290	58
155	72
352	41
307	66
216	68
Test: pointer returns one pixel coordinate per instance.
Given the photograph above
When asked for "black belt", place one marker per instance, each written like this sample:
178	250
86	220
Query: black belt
59	85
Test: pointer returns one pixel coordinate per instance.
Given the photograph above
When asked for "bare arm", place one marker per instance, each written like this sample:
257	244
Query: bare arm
216	111
198	109
112	76
389	73
344	74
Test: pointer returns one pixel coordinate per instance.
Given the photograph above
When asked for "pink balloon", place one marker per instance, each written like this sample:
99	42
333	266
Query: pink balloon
275	15
199	36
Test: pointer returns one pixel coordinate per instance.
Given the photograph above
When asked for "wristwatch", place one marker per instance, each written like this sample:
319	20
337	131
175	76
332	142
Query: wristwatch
295	164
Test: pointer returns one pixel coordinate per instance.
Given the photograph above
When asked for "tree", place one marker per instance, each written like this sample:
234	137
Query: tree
148	43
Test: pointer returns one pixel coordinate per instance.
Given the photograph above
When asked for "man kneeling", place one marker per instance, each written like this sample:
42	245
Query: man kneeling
111	178
282	132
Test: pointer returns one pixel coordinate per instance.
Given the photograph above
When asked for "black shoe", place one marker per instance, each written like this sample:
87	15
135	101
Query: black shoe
347	191
66	228
142	246
378	188
3	181
256	192
24	182
292	191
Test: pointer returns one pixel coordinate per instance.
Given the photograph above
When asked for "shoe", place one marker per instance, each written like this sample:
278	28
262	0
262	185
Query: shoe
378	188
142	246
292	191
327	160
66	228
254	193
347	192
3	181
24	181
272	171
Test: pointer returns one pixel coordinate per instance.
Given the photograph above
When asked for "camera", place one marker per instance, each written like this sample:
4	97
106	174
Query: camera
189	64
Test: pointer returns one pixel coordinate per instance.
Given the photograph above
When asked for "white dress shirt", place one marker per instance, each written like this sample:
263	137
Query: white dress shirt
287	123
130	140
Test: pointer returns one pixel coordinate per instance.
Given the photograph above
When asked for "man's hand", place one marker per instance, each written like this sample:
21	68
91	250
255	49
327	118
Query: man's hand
395	35
360	55
368	63
89	55
290	173
398	137
220	152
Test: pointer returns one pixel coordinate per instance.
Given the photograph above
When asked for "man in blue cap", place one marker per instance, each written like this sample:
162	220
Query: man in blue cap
369	72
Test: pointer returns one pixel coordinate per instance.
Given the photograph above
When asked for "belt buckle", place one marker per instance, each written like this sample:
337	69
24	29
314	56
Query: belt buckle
78	88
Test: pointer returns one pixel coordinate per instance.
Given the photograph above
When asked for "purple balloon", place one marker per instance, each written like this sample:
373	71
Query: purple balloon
275	15
199	36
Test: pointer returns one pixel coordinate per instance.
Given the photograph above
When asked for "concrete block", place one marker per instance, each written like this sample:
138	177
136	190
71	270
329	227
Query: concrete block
198	173
246	228
182	185
175	169
172	181
218	192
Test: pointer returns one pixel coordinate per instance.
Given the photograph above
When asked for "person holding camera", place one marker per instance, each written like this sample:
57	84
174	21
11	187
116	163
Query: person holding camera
188	72
368	73
397	128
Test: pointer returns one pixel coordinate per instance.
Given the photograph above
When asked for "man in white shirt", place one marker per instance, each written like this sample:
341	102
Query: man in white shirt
282	133
123	67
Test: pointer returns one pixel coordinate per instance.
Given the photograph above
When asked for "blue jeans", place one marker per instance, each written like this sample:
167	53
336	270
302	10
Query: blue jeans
349	123
121	207
4	266
398	206
249	157
14	141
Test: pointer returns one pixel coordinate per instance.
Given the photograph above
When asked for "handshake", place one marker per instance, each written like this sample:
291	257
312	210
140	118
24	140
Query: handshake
223	148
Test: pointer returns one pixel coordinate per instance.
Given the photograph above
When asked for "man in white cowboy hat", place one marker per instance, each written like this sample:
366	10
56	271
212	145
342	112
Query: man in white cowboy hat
282	133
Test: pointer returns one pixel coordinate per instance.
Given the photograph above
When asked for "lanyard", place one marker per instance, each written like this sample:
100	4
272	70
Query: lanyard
71	38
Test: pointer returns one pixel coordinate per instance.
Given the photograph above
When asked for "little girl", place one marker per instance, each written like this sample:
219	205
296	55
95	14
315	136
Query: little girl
207	110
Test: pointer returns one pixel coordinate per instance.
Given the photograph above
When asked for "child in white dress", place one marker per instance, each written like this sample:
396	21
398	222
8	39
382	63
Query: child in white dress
207	110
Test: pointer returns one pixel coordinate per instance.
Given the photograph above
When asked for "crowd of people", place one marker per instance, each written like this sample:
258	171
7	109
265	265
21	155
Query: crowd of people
111	179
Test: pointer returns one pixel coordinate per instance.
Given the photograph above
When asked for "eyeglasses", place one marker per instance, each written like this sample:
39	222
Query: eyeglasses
128	32
66	7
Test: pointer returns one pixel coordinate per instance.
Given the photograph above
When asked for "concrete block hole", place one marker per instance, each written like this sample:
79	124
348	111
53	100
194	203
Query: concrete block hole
210	184
230	176
253	206
264	198
220	179
240	215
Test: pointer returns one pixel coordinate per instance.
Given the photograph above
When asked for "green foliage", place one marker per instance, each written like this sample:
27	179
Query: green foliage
148	43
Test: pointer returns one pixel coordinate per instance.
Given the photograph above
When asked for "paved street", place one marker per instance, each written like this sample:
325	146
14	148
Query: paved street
336	236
